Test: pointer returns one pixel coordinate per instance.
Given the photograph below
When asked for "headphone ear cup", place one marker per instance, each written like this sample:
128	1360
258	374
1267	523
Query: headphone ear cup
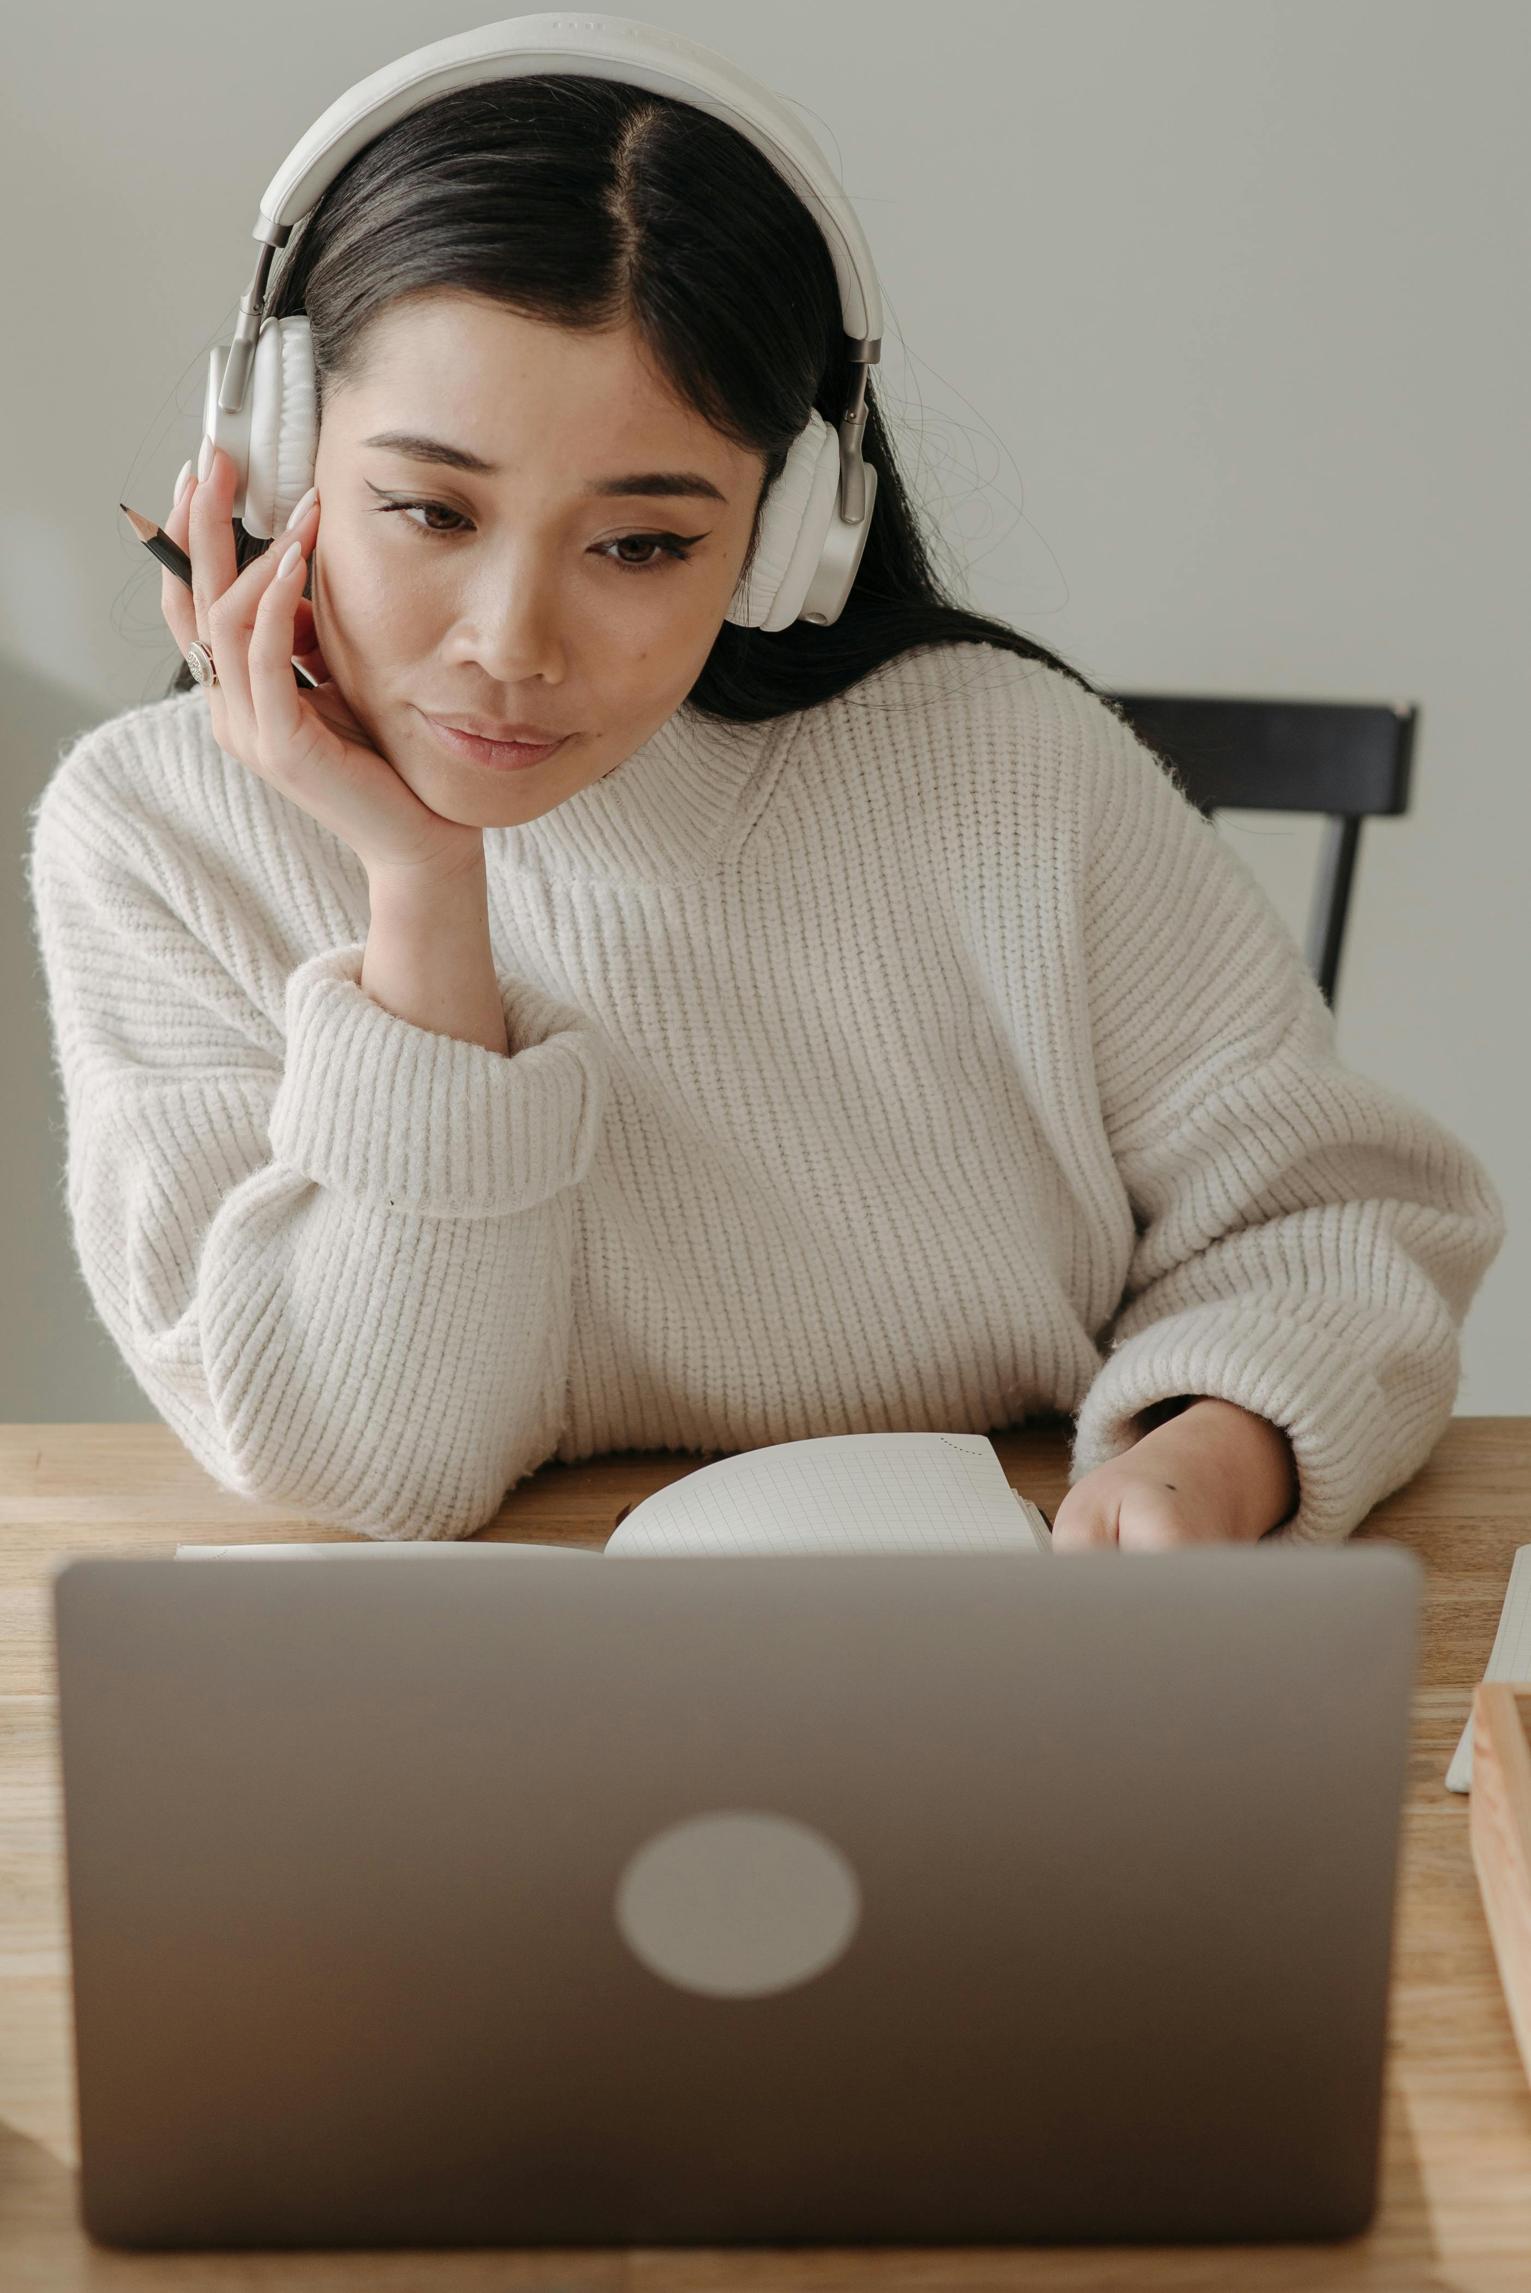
284	424
793	527
274	438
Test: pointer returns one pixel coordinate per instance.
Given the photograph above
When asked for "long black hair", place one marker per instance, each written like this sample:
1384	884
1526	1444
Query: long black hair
590	203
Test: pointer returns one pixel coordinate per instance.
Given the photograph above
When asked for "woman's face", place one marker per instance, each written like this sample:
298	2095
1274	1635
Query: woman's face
523	593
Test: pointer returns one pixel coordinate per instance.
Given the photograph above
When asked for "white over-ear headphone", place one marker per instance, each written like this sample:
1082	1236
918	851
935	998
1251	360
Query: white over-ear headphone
261	405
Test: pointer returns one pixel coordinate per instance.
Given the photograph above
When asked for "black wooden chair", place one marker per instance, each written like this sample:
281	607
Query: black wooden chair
1345	759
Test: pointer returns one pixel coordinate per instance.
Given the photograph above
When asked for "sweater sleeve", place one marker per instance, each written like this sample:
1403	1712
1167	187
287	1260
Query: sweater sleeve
342	1275
1307	1240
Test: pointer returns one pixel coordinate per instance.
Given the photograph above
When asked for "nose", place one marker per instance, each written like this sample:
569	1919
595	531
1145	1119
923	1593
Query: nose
513	629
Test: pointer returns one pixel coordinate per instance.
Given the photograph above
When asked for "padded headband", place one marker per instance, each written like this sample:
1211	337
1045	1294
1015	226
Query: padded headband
593	47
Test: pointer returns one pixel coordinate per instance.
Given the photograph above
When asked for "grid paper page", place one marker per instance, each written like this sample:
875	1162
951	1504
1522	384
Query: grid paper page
847	1492
1509	1659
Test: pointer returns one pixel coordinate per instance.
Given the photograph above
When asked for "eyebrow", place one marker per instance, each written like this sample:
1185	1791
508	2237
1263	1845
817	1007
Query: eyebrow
666	484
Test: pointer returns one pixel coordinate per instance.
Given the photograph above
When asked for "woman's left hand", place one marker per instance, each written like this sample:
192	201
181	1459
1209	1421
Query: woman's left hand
1216	1474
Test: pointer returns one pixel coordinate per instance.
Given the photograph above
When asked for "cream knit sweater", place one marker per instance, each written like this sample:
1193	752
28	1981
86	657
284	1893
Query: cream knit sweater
922	1060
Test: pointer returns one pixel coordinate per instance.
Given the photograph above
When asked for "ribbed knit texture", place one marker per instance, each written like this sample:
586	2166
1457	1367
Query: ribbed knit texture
919	1061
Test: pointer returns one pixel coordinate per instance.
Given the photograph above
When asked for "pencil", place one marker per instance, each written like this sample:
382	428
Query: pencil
175	560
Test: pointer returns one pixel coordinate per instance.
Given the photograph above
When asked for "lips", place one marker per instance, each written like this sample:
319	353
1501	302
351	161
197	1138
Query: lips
530	736
496	756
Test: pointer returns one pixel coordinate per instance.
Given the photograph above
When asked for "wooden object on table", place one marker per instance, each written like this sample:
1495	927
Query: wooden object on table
1500	1827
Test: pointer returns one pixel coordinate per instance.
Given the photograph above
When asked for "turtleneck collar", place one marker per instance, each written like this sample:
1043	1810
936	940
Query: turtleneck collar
669	813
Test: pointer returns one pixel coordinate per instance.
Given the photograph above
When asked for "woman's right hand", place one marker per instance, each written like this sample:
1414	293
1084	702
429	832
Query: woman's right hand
306	744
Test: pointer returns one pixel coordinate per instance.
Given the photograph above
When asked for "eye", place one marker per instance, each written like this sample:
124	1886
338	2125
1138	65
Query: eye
667	547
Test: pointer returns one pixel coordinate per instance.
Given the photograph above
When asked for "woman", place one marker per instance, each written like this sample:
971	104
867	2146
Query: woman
842	1028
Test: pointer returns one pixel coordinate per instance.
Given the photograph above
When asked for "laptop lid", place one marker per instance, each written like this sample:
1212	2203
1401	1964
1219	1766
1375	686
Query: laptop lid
514	1897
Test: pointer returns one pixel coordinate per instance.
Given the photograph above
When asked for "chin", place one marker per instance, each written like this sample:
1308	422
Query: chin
491	807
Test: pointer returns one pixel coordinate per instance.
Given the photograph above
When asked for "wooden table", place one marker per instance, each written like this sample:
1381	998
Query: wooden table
1456	2194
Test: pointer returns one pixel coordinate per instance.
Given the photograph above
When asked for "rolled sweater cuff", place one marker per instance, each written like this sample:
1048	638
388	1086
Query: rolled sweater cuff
397	1115
1352	1444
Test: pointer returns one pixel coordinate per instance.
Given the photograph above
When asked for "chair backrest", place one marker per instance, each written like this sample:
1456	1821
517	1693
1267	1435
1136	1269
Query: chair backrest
1345	759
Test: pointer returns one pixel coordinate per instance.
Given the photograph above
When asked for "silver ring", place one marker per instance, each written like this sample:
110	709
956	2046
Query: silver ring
200	662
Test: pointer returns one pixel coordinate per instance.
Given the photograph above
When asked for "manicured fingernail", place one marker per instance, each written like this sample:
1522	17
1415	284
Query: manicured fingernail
302	508
205	460
182	481
289	561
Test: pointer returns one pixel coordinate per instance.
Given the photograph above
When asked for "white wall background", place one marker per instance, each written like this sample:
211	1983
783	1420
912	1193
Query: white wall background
1206	342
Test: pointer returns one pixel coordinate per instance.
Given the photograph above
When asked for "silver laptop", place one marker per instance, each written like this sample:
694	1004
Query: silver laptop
505	1897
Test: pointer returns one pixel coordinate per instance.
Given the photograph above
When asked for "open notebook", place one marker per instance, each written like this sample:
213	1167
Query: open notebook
849	1492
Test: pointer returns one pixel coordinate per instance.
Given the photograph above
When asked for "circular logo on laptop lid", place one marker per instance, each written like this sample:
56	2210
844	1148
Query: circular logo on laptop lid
738	1903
